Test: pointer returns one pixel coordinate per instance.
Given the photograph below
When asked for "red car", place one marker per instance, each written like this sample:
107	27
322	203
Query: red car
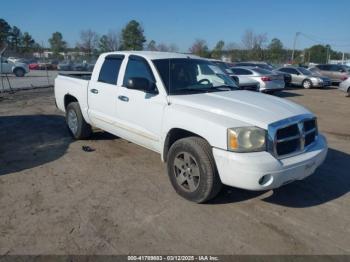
34	66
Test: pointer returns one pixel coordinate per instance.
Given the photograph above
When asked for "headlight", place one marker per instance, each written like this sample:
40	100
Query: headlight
246	139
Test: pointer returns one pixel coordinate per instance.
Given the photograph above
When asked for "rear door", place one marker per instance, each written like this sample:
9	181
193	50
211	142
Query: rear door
325	70
338	73
102	94
293	74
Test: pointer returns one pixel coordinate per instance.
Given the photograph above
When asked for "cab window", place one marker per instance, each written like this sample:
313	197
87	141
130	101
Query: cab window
138	67
110	69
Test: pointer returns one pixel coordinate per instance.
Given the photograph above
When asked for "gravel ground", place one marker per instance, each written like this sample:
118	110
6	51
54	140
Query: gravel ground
57	199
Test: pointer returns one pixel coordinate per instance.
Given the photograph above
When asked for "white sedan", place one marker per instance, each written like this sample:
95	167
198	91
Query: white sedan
269	81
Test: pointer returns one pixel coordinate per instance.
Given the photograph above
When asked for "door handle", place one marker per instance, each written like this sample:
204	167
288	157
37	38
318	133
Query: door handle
123	98
94	91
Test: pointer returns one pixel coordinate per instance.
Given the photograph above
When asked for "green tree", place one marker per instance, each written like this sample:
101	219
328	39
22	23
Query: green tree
103	44
318	53
57	44
200	48
27	43
15	38
133	36
275	50
218	50
152	46
108	42
5	29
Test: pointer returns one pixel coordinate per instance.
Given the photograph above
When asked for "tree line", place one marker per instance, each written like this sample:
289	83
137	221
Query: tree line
253	46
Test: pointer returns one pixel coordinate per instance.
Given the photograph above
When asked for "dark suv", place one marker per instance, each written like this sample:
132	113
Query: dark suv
337	73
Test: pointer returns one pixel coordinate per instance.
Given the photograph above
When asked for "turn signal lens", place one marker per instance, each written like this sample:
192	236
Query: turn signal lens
233	143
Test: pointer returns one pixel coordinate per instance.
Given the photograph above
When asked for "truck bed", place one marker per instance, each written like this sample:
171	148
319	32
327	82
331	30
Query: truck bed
84	76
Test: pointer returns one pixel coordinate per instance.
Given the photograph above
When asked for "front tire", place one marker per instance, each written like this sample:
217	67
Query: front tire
76	123
192	170
307	84
19	72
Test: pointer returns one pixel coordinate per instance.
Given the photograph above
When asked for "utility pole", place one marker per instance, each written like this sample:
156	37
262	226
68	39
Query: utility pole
327	58
1	76
343	58
294	44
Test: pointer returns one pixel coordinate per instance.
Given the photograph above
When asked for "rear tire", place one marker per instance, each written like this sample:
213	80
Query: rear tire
307	84
19	72
348	93
76	123
192	170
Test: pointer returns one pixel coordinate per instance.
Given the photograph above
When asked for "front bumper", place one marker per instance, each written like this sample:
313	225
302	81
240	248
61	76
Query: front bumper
262	171
325	83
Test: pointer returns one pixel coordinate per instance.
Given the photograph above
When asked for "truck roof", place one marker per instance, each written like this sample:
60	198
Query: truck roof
154	54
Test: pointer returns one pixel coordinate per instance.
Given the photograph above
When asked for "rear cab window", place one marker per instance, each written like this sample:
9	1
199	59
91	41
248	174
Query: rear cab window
110	69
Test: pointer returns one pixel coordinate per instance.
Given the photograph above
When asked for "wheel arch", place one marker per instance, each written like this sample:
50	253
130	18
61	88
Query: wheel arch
18	68
174	135
68	98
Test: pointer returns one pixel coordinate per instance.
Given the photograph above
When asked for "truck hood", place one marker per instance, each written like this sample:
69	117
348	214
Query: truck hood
250	107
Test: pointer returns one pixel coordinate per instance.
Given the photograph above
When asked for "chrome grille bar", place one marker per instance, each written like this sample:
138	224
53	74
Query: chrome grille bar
285	143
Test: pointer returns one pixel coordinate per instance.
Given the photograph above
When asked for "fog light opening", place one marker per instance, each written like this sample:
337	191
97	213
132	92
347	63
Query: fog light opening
265	180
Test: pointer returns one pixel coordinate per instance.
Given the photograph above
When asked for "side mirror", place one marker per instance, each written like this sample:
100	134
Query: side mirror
341	70
142	84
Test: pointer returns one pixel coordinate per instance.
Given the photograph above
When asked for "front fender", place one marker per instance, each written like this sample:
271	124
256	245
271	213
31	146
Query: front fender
212	127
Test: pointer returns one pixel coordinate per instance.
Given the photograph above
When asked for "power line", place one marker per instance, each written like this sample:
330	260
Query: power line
313	38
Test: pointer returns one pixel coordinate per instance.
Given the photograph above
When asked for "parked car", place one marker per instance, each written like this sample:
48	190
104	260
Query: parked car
244	83
33	66
337	73
345	86
189	111
47	66
65	66
262	65
287	78
269	82
11	67
304	77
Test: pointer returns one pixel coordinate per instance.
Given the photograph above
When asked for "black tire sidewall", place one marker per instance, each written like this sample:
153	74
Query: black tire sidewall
76	108
205	187
19	70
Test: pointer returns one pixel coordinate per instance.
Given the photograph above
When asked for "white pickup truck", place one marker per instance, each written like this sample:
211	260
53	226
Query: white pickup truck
185	108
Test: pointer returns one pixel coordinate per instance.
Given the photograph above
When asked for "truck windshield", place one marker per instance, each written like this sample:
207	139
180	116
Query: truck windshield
187	76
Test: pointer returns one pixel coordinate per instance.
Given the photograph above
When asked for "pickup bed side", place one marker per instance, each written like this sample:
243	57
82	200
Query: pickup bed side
70	88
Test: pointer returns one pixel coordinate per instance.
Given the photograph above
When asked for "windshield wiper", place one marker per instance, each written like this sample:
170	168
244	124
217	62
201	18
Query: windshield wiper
224	88
205	90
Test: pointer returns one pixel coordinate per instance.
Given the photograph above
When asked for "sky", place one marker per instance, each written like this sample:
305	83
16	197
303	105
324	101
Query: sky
181	22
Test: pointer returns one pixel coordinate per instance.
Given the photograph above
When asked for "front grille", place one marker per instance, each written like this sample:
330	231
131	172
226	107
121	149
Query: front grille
294	137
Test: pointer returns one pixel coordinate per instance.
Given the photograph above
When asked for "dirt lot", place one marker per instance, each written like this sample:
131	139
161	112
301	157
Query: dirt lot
57	199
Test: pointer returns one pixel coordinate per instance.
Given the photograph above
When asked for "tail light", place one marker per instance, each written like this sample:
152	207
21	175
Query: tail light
265	78
344	78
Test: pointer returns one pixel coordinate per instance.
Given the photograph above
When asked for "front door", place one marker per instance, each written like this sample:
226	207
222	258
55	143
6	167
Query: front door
139	113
